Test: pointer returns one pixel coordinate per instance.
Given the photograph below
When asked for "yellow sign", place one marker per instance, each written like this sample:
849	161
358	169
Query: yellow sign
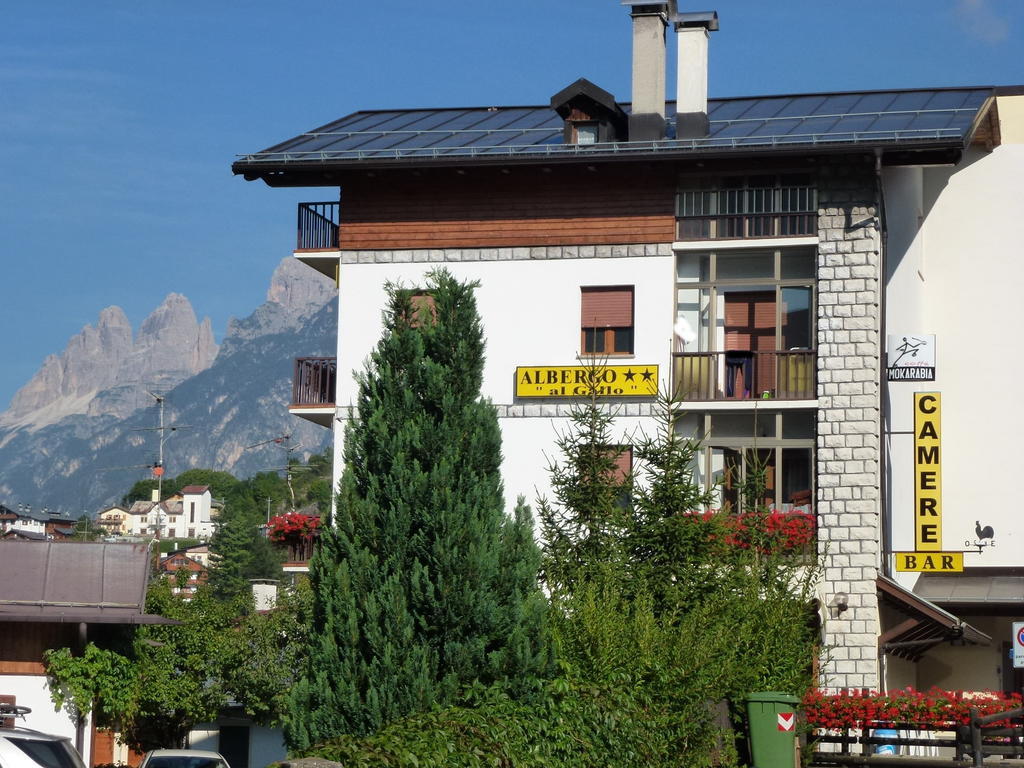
930	562
577	380
927	473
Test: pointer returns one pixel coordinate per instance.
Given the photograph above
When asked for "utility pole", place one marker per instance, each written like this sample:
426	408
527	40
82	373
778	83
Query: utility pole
164	432
284	441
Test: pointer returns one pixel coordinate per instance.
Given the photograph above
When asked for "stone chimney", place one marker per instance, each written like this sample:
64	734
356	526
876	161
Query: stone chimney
692	32
647	117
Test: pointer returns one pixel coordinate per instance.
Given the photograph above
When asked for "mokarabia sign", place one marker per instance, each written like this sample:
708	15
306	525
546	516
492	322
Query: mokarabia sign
911	358
928	556
578	380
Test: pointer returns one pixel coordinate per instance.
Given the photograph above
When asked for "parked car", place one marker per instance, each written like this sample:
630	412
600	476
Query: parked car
182	758
25	748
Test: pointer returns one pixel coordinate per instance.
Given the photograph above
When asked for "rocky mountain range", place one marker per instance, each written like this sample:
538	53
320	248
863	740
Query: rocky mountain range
79	433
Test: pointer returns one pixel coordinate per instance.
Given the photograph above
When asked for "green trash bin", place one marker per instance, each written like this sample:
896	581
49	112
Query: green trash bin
772	719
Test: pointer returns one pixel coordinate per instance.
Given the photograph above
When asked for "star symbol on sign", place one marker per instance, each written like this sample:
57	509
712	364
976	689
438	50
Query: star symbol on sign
630	375
648	374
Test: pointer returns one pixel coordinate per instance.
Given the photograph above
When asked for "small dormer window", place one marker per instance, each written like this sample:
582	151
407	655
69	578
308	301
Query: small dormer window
586	133
591	114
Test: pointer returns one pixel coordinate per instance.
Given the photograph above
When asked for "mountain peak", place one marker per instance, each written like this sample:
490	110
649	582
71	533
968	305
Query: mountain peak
295	294
171	346
297	289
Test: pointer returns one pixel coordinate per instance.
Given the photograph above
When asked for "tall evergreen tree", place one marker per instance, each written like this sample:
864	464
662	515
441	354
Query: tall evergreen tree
240	552
424	585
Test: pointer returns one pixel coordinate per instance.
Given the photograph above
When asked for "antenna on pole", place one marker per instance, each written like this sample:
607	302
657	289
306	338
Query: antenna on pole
284	441
164	432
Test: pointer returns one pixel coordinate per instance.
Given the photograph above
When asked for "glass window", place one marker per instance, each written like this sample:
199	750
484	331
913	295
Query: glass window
798	263
798	425
796	317
743	424
796	481
586	133
695	269
606	320
693	317
743	266
48	754
747	332
744	461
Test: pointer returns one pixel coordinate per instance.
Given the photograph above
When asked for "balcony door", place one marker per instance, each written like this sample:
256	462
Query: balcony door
745	324
750	326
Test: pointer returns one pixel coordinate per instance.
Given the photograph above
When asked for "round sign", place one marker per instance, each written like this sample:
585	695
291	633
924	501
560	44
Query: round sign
1020	637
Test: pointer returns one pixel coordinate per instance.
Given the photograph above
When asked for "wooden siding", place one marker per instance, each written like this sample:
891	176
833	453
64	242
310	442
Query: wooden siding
22	645
568	206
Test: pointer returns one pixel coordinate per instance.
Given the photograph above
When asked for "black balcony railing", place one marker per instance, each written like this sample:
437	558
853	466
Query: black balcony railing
748	211
315	381
742	375
748	225
318	226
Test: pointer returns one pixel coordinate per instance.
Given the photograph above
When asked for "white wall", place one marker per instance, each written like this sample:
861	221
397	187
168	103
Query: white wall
32	691
266	745
961	277
531	316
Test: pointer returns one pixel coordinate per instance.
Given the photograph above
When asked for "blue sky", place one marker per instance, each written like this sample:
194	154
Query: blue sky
119	120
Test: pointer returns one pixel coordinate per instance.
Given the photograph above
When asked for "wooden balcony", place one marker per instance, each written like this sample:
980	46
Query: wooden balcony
313	387
317	236
744	375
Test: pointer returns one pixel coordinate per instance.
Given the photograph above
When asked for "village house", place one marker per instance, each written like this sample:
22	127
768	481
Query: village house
820	277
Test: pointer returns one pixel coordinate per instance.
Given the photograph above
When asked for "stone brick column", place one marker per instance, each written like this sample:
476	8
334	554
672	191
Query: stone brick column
848	422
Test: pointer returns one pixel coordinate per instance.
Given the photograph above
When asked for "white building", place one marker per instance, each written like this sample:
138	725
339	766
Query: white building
188	515
750	253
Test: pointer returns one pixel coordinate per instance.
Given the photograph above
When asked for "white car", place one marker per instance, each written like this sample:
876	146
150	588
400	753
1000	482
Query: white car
25	748
181	758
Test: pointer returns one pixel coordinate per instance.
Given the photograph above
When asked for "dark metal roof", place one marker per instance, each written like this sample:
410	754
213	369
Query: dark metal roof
74	582
972	589
870	118
924	624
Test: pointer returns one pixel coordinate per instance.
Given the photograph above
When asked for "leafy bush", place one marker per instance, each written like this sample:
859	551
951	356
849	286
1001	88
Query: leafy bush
575	725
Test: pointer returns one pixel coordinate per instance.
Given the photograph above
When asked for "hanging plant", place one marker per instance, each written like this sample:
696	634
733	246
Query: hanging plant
934	708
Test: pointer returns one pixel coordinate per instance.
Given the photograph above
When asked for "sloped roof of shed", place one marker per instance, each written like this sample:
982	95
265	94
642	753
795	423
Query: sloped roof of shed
74	582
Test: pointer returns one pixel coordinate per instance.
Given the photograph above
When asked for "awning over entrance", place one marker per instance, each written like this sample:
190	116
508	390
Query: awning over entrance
981	590
915	624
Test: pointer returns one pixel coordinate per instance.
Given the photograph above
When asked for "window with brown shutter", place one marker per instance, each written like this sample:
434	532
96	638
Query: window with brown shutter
623	457
423	309
606	320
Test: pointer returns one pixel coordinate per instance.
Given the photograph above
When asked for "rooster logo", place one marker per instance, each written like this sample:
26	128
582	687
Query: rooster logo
984	536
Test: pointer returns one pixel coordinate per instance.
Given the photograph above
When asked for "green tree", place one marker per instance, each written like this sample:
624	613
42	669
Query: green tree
142	490
240	552
156	687
262	656
424	585
100	682
584	524
221	483
661	595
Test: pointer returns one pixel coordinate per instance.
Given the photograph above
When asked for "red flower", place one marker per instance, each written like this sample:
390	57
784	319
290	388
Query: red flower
293	527
935	708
